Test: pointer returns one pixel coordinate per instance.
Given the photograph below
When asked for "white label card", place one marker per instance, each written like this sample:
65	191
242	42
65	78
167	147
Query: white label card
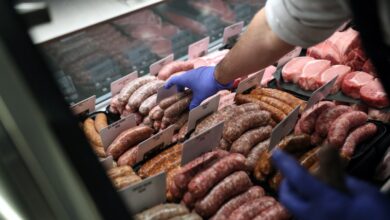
118	84
145	194
284	128
226	100
109	133
320	93
198	49
250	82
232	30
160	139
85	106
289	56
202	111
164	93
201	143
154	68
108	162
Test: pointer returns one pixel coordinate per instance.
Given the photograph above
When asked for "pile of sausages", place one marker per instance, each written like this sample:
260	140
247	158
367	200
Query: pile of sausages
216	185
339	125
167	211
122	176
91	128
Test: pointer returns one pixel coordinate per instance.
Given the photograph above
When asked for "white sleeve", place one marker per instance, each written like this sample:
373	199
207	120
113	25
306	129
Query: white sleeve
305	22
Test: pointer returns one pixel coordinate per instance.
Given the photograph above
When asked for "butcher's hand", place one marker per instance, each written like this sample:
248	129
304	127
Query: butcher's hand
201	81
308	198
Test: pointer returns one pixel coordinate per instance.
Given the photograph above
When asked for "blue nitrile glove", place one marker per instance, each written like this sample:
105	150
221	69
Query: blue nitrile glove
201	81
308	198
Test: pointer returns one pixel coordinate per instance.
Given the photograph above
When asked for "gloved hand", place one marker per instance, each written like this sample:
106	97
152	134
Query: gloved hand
308	198
201	81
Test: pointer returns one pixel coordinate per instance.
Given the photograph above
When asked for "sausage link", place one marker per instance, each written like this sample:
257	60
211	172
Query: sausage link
326	118
132	86
340	128
229	187
129	157
99	151
156	113
275	212
277	94
357	136
166	121
252	208
161	212
157	125
165	103
255	153
120	171
115	106
143	93
171	188
124	181
181	121
148	122
226	210
263	166
178	108
244	144
224	145
183	132
148	104
174	67
100	121
91	133
285	108
173	161
308	120
191	216
128	138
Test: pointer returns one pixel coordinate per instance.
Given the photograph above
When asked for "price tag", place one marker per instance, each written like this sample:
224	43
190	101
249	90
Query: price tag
320	93
156	67
164	93
232	31
109	133
201	144
108	162
202	111
145	194
289	56
85	106
161	139
118	84
226	100
284	128
252	81
198	49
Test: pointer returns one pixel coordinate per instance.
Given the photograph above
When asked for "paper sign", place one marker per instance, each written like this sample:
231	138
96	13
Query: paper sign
145	194
250	82
118	84
226	100
201	143
320	93
108	162
85	106
202	111
289	56
109	133
156	67
284	128
198	49
164	93
161	139
232	30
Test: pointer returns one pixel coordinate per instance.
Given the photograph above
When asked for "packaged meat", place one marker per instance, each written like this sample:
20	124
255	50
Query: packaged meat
353	82
310	72
293	69
374	95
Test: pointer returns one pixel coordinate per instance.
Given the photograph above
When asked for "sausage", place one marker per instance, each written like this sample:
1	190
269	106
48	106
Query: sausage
275	212
91	133
357	136
175	138
205	180
132	86
161	212
138	118
276	114
252	208
244	144
226	210
263	166
156	113
191	216
255	153
233	129
170	184
173	161
189	200
285	108
157	125
120	171
308	120
124	181
174	67
183	132
100	121
128	138
181	121
178	108
316	139
326	118
166	121
148	122
129	157
282	96
165	103
340	128
223	145
115	106
211	120
99	151
229	187
148	104
143	93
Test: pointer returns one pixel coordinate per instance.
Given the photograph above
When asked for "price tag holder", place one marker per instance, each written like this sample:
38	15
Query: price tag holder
154	68
118	84
284	128
164	93
232	31
145	194
289	56
108	162
251	82
198	49
202	111
226	100
201	143
321	93
85	106
155	142
109	133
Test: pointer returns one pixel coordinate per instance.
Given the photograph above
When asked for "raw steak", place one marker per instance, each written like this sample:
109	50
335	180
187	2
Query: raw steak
353	82
329	74
293	68
310	72
374	95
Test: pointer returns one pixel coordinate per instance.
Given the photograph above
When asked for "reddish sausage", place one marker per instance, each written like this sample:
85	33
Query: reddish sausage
308	120
357	136
244	144
326	118
252	208
275	212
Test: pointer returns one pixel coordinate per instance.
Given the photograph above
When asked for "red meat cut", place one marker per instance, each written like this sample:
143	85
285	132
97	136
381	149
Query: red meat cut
310	72
293	69
330	73
354	81
374	95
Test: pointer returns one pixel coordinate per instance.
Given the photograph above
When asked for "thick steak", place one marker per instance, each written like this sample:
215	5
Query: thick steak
353	82
373	94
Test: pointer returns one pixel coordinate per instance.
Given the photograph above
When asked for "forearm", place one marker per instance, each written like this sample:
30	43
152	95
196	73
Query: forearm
258	48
